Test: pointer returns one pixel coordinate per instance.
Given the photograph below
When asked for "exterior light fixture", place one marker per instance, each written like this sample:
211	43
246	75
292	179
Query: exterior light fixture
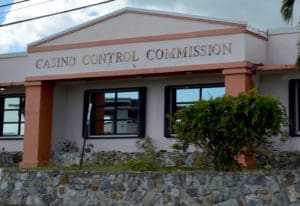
2	89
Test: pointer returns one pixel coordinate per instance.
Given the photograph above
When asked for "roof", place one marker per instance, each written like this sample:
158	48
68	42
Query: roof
284	30
13	55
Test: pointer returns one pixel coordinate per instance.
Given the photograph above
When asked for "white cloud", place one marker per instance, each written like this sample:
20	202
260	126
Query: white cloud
16	37
257	13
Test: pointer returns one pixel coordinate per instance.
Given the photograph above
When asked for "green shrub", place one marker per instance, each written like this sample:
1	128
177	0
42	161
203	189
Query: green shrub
222	126
146	160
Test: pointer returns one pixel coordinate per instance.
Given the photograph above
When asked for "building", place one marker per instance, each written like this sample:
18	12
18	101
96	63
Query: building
134	67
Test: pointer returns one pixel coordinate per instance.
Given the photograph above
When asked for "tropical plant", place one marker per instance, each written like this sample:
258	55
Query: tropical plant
286	9
146	160
221	127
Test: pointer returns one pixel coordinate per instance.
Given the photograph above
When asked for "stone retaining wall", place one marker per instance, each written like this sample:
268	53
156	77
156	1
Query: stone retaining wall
79	188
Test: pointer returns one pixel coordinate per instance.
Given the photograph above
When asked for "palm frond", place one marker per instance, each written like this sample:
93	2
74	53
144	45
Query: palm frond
287	10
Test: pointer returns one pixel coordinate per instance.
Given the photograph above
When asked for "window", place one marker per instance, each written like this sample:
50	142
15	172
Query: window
12	116
294	107
178	97
116	113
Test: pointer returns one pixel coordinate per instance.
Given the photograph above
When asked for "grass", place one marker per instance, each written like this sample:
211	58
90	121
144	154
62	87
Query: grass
101	168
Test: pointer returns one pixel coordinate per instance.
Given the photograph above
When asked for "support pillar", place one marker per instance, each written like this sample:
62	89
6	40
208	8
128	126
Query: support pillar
237	80
38	124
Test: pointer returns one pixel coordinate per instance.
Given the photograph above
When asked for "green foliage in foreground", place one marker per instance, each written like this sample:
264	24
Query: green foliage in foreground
101	168
222	126
146	161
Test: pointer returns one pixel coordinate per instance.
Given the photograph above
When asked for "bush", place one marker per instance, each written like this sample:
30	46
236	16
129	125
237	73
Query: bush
224	125
146	160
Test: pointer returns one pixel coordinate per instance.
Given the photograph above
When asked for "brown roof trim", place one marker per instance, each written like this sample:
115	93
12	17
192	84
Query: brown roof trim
215	32
204	20
256	35
276	67
11	84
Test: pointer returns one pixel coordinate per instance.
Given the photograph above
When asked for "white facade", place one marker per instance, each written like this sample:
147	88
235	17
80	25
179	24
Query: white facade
128	49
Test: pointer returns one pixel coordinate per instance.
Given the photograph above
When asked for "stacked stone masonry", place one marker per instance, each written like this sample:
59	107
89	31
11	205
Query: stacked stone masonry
79	188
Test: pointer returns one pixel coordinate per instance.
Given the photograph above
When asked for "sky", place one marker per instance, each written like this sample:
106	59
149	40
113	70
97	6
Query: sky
260	14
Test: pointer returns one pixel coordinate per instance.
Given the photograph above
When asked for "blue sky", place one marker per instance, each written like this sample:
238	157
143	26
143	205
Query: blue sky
260	14
4	10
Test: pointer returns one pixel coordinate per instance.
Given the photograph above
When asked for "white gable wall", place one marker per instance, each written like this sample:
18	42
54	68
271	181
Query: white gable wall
130	25
255	49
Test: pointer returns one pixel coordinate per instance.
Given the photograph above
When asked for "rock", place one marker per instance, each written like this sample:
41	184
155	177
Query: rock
260	180
190	160
267	199
297	187
1	174
149	198
192	192
282	199
94	185
179	162
252	200
61	190
117	196
47	199
297	203
229	180
288	179
64	179
118	187
132	184
169	163
208	201
216	183
273	184
18	185
3	185
105	185
291	192
175	192
230	202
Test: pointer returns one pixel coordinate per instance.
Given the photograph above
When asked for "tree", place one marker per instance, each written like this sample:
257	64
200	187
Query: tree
287	8
223	126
